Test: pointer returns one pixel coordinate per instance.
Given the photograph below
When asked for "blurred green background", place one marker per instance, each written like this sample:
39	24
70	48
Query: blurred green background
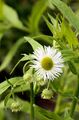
11	33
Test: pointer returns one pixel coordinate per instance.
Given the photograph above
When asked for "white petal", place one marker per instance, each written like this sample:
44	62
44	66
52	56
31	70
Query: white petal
56	57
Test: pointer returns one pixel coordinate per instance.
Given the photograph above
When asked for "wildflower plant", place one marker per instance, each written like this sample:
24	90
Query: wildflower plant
46	64
51	67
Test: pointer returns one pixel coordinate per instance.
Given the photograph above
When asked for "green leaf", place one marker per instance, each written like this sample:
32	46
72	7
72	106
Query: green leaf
21	88
72	67
69	54
4	26
1	10
33	43
67	116
37	12
14	81
40	116
76	115
55	85
50	26
69	34
11	53
25	58
48	114
6	99
17	83
46	38
2	115
53	20
54	26
67	13
62	31
11	15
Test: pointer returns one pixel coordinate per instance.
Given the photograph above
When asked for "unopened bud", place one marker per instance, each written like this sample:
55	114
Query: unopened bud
41	81
15	106
47	94
27	77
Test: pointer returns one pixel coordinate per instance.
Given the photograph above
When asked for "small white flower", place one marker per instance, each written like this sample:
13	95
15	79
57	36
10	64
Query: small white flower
47	62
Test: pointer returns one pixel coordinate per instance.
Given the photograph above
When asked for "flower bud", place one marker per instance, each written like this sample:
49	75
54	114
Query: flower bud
27	77
41	81
15	106
47	94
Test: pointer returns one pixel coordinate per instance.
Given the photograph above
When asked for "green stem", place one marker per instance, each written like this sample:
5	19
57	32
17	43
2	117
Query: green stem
59	99
31	102
58	102
74	103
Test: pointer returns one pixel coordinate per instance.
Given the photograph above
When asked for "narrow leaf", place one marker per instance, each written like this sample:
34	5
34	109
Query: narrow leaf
67	13
5	85
72	67
33	43
6	98
11	53
11	15
24	58
69	34
48	114
37	12
46	38
50	26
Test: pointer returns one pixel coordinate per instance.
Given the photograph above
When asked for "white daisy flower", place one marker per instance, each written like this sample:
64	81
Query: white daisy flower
47	62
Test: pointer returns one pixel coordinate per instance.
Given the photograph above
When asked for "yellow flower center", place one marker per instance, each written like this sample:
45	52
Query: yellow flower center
47	63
